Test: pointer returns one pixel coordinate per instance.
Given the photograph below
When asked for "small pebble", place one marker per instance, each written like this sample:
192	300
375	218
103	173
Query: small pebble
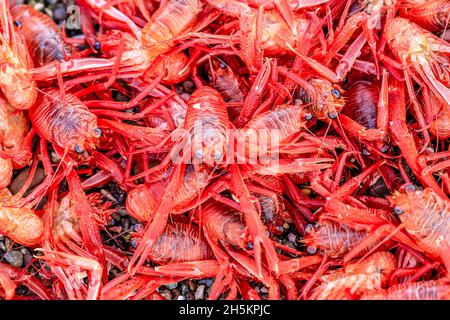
264	290
39	6
184	289
171	286
292	238
122	212
185	96
192	285
107	195
188	86
117	193
2	246
59	14
54	157
179	90
125	223
190	296
114	273
21	291
176	292
166	294
116	217
133	221
200	292
14	258
207	282
181	298
8	243
21	178
27	259
48	12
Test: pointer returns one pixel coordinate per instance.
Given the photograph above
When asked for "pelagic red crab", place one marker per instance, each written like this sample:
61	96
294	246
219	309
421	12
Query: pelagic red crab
225	149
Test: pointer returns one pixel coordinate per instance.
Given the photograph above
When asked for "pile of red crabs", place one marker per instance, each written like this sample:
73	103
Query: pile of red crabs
226	125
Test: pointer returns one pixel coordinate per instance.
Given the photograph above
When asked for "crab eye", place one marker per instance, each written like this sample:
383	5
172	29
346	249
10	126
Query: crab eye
97	45
309	228
17	23
308	116
332	114
410	188
311	250
98	132
222	64
398	211
79	149
336	93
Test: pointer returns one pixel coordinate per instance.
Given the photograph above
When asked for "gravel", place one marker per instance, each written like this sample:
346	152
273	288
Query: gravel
59	13
21	178
14	258
200	292
119	230
171	285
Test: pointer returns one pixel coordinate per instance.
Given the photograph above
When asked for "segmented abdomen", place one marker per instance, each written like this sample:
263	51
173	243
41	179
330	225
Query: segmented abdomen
169	21
180	242
41	34
426	290
372	273
334	240
142	201
430	14
64	122
206	106
286	120
223	224
426	217
361	104
440	126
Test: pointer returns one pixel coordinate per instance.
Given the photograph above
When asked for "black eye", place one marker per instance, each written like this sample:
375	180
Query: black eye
332	114
384	148
309	228
365	152
398	211
17	23
222	64
410	188
97	45
79	149
336	93
311	250
98	132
